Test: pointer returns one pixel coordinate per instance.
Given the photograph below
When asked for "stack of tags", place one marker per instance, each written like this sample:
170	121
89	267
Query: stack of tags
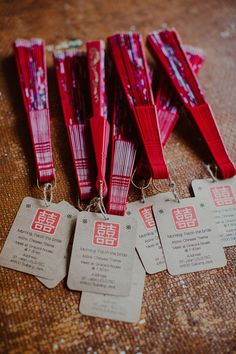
121	308
190	239
114	248
105	267
38	241
180	236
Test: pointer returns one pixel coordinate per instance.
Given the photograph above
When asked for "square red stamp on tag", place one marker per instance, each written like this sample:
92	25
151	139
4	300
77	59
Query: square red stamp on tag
185	218
106	234
46	221
222	196
147	216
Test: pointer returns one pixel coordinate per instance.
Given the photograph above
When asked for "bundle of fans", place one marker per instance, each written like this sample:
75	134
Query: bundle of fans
118	111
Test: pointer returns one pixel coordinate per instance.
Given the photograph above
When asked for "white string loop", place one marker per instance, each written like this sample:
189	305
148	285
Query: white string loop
209	170
47	194
96	204
171	188
141	188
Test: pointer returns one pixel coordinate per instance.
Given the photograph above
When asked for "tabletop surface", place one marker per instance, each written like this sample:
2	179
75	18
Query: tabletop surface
193	313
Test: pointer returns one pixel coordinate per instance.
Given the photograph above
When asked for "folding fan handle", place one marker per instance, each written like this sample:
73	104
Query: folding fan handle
73	89
31	64
167	49
131	65
99	125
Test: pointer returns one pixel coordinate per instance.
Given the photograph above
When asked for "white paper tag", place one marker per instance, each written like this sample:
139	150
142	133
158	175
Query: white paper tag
36	239
102	254
221	196
148	243
189	236
62	264
120	308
